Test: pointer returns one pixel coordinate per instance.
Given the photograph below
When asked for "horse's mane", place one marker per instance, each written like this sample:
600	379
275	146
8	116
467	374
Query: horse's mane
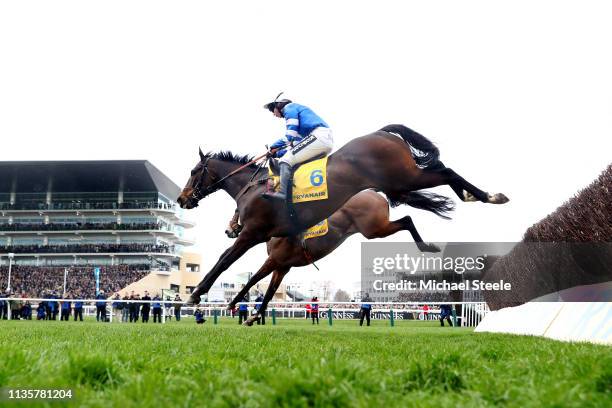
227	156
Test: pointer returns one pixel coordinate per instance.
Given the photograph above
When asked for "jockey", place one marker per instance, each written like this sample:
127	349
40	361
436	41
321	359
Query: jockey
307	136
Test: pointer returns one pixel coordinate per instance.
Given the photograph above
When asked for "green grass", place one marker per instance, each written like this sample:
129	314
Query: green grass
297	364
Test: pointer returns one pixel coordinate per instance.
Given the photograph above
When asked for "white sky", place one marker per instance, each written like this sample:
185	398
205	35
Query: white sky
517	96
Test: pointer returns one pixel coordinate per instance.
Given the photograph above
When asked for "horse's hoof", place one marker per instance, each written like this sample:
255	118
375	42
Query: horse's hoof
193	300
425	247
247	323
498	198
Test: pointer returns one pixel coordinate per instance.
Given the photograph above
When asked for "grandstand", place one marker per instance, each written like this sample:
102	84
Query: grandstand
74	216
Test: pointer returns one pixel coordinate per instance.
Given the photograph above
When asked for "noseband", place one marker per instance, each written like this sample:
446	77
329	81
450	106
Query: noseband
198	194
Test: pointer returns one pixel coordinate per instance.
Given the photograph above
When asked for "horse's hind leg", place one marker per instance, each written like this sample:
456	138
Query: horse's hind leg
384	228
409	226
277	278
468	192
403	224
465	190
264	271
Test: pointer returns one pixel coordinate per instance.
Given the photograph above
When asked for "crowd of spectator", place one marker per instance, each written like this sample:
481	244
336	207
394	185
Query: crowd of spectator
78	226
45	309
85	205
129	308
134	308
86	248
36	281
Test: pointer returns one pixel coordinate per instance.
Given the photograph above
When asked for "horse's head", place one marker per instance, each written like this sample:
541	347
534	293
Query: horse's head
210	174
199	185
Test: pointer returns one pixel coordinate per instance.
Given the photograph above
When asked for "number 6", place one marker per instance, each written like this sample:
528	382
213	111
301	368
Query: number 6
316	178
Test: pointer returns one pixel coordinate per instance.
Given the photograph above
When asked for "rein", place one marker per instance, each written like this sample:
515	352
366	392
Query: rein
199	194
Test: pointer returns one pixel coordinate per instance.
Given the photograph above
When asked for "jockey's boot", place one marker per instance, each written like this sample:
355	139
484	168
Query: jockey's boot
285	179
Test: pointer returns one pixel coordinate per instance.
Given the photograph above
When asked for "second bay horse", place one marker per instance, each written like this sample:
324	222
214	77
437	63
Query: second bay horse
367	213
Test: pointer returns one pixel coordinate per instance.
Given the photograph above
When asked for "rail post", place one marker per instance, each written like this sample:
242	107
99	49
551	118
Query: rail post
329	316
391	318
215	320
454	317
273	316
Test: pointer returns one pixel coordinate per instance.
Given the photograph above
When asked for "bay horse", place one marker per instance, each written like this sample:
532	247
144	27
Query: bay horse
381	161
367	212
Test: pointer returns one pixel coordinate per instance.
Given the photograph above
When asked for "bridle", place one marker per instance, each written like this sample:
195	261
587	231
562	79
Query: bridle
199	194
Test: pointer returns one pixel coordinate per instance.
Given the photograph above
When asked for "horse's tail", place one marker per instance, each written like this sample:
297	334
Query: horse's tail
437	204
425	153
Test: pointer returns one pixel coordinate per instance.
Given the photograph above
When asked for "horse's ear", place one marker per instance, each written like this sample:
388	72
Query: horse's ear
201	154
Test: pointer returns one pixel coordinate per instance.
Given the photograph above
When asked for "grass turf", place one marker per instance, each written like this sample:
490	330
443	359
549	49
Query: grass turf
297	364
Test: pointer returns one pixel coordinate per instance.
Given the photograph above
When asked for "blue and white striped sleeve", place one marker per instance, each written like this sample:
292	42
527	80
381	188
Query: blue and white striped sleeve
293	123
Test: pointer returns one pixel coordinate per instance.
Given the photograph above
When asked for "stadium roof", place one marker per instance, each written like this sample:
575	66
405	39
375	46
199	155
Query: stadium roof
84	176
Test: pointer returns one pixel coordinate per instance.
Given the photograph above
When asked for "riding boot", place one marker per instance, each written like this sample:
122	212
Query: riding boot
285	179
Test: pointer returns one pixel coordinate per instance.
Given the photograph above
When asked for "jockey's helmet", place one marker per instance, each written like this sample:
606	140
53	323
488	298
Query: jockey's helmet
277	103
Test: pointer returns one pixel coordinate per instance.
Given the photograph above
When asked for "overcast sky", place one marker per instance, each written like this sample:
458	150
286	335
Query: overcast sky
517	96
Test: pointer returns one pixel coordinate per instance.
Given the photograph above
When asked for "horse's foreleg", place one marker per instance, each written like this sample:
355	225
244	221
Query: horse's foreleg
264	271
277	278
242	244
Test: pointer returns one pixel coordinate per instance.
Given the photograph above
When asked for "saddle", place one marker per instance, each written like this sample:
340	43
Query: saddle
308	180
275	169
